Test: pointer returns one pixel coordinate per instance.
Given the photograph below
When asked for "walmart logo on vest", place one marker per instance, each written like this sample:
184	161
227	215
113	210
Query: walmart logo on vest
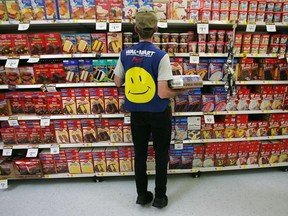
142	53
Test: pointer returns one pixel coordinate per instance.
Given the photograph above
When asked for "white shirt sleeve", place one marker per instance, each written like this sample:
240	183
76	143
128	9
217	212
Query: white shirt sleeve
165	70
119	69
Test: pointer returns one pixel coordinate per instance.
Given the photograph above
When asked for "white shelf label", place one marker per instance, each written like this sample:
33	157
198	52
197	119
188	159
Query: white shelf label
251	28
12	63
202	28
271	28
162	25
13	121
194	59
115	27
23	26
101	26
51	88
127	120
45	121
178	146
3	184
7	152
32	152
194	123
55	149
209	119
33	60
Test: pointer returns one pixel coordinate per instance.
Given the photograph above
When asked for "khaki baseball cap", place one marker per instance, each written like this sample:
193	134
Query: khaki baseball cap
146	19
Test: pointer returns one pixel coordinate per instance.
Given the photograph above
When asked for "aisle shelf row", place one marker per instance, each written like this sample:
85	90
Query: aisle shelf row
94	116
125	22
112	144
111	84
116	55
152	172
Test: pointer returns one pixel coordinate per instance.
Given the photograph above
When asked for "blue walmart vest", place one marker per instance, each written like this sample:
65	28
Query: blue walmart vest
141	63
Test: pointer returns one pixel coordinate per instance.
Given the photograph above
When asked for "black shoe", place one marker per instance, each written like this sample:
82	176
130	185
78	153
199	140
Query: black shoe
160	202
145	199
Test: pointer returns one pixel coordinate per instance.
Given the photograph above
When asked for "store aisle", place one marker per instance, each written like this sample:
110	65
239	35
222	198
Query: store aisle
237	193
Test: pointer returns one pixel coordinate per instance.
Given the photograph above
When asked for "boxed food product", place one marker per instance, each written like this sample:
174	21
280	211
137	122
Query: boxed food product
82	101
102	10
262	129
68	101
198	155
208	103
13	76
76	9
116	131
86	160
39	99
27	75
179	10
3	12
75	131
100	70
12	8
68	42
20	44
114	42
50	9
57	73
86	70
99	42
186	81
115	10
53	43
127	134
71	70
89	131
112	159
89	9
28	167
42	75
97	100
38	9
232	153
206	130
218	130
83	43
111	104
265	152
194	100
6	45
160	8
243	154
99	159
37	44
61	131
63	9
25	8
4	106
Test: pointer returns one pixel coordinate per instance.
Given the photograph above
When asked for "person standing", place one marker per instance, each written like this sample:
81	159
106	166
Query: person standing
145	69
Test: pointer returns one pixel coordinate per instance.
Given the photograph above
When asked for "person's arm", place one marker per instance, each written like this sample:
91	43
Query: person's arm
165	92
119	77
118	81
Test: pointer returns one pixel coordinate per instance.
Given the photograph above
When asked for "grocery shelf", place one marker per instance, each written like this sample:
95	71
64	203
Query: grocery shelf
229	112
263	82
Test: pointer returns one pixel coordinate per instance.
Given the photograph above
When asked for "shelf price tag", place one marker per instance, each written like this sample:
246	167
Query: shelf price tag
13	121
194	58
127	119
115	27
162	24
178	145
101	26
209	119
7	151
202	28
23	26
271	28
51	88
55	149
32	152
251	28
45	121
3	184
194	123
33	59
12	63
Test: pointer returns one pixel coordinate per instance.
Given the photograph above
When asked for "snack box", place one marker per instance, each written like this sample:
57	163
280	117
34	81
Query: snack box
12	8
114	42
89	9
186	81
3	12
83	43
76	9
37	44
50	9
98	42
63	9
38	9
53	43
68	42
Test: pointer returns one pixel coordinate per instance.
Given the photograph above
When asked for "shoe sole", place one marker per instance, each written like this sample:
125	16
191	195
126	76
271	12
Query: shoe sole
159	206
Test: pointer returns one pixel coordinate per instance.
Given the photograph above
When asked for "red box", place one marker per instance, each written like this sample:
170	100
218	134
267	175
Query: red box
37	44
42	75
57	73
6	45
52	43
20	44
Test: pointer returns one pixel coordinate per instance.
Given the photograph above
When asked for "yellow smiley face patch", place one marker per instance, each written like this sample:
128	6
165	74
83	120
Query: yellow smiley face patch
139	85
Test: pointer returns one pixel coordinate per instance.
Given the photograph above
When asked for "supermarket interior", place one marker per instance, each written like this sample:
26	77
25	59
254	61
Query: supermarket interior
64	129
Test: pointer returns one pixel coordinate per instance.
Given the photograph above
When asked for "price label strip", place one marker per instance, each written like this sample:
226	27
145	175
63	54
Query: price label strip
251	28
271	28
194	59
7	151
178	145
32	152
209	119
162	24
12	63
23	26
3	183
127	119
115	27
101	25
33	59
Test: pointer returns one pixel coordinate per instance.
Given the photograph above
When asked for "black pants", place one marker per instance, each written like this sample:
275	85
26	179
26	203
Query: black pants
142	125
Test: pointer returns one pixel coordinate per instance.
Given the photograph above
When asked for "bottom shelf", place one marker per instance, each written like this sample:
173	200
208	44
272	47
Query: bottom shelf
176	171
